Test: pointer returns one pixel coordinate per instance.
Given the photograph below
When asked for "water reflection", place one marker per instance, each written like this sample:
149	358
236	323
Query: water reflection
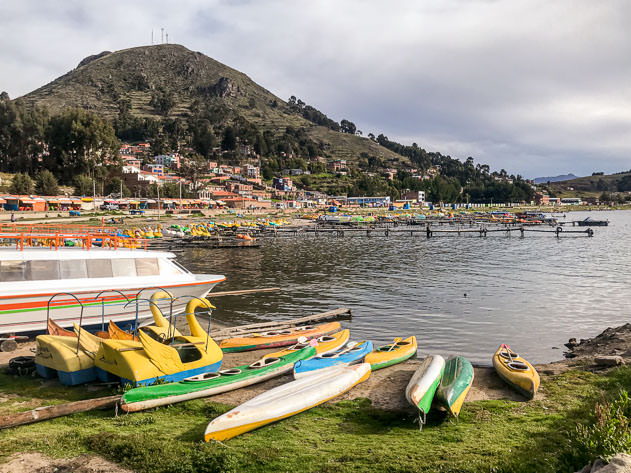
533	292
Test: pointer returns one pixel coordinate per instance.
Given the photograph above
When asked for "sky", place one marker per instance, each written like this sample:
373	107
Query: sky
538	88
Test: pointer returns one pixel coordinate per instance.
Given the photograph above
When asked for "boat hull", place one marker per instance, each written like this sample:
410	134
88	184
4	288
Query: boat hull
456	382
424	383
27	313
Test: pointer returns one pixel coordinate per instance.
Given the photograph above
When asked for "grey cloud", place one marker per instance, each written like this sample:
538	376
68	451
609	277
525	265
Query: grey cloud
534	87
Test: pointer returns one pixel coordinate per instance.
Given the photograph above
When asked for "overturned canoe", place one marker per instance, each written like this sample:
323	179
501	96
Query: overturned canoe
396	352
278	338
424	382
455	384
323	345
516	371
209	384
346	356
285	401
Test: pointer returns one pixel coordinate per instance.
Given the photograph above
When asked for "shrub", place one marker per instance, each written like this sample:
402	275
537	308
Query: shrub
608	434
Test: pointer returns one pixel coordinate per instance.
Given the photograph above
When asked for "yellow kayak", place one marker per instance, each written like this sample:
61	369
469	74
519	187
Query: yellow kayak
396	352
516	371
326	344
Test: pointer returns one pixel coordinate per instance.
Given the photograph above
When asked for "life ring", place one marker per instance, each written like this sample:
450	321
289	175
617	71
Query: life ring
22	365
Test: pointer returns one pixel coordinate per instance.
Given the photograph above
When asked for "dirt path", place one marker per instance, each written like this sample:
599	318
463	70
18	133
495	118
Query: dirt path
38	463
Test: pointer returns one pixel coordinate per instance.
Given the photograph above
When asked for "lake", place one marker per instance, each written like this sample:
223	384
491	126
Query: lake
458	295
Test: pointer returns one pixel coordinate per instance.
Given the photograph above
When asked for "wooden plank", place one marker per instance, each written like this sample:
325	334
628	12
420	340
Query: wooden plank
60	410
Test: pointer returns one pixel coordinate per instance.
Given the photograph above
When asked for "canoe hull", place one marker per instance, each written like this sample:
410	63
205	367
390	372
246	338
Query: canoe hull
524	381
455	384
422	387
308	367
285	401
383	357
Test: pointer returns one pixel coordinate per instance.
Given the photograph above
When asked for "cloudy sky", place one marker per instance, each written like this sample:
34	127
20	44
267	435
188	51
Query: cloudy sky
532	86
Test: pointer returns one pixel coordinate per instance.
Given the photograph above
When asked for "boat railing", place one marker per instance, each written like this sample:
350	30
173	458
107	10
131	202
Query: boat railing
61	303
84	240
103	300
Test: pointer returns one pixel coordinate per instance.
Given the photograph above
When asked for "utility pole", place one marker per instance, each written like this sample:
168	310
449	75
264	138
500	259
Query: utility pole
158	188
180	194
161	35
152	37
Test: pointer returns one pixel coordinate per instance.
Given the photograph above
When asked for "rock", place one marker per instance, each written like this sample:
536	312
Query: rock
608	360
621	463
571	343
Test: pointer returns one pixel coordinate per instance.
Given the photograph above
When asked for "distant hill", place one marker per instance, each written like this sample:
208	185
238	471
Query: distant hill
619	182
563	177
101	82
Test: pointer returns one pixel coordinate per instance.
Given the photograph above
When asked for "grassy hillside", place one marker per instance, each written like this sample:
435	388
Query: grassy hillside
102	81
593	185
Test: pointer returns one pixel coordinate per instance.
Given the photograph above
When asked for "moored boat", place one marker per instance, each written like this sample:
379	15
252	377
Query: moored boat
323	345
396	352
516	371
209	384
455	384
285	401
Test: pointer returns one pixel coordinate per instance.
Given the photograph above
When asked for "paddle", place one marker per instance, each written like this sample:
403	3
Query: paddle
348	348
396	342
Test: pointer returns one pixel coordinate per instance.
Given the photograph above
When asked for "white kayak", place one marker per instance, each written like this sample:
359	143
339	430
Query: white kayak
422	387
286	400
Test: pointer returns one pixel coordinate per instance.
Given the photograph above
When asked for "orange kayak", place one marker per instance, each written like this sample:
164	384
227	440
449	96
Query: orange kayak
278	338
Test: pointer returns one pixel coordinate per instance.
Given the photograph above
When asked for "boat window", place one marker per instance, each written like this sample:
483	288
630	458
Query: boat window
38	270
124	267
99	268
73	269
147	267
12	270
167	269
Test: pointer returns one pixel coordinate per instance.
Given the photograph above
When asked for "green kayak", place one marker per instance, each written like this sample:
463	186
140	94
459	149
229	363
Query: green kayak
455	384
209	384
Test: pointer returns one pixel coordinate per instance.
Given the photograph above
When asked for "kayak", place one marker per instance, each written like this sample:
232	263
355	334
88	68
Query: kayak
396	352
209	384
422	387
323	345
285	401
516	371
277	338
456	382
353	352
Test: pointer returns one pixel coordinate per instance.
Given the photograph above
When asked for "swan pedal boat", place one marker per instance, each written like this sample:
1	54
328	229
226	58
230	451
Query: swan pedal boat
455	384
278	338
352	353
516	371
285	401
396	352
209	384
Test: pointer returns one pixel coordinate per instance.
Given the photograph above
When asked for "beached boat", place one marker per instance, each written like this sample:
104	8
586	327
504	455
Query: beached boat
58	356
102	280
156	358
286	400
278	338
209	384
396	352
516	371
352	353
424	382
455	384
323	345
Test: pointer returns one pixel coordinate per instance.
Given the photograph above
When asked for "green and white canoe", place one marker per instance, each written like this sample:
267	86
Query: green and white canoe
209	384
422	387
456	382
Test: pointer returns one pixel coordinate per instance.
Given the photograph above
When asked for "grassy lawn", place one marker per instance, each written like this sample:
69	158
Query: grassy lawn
497	436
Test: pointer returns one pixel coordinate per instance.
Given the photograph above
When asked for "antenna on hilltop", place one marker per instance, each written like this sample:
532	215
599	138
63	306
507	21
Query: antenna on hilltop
162	36
152	37
167	38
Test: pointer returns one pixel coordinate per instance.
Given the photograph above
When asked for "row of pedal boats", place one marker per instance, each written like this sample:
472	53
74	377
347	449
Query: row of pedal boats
323	360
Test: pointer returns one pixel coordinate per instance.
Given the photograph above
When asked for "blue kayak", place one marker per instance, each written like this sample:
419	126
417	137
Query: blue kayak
350	354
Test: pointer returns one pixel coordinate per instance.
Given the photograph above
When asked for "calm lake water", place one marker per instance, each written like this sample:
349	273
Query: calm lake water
532	293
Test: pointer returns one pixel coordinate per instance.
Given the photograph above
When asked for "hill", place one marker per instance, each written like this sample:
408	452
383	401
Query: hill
594	184
135	77
563	177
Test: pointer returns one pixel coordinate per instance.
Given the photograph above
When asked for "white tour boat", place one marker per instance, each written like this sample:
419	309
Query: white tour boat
103	280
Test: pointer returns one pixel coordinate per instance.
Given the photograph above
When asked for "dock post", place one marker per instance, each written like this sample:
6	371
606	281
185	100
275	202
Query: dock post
521	230
428	230
559	230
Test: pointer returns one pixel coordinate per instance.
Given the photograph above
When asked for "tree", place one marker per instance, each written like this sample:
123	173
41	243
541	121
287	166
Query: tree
229	141
162	101
46	183
193	168
83	185
113	186
203	138
79	142
21	184
347	127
